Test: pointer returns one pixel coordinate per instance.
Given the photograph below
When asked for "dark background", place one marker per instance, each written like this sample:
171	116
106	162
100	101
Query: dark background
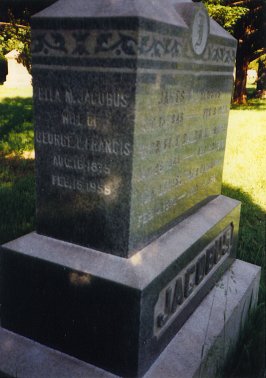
19	6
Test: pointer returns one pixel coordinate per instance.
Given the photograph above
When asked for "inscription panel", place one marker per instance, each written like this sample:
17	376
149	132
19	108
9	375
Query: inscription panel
84	146
89	138
180	134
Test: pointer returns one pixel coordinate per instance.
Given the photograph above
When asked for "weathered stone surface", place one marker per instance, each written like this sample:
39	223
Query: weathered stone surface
131	110
213	328
79	300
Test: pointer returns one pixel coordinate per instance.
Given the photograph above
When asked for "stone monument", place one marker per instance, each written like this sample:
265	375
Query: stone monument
18	75
131	102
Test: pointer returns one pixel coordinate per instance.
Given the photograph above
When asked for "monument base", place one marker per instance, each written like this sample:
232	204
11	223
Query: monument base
118	314
199	348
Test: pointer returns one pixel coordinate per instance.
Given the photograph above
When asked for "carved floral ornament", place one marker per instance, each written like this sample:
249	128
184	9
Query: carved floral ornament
115	44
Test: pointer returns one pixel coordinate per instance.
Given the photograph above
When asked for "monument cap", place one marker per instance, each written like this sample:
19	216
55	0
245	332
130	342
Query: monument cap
152	10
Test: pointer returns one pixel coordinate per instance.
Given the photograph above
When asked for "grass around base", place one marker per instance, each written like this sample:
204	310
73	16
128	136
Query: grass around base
17	198
17	186
24	92
16	131
245	157
244	178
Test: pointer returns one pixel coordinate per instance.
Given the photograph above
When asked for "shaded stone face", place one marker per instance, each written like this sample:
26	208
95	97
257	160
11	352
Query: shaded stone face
131	117
85	145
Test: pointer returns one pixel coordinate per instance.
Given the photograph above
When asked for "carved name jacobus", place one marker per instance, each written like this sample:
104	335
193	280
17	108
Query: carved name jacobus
97	44
176	294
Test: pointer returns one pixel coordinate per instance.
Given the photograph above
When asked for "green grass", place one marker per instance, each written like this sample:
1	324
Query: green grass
245	158
244	179
16	132
17	188
247	359
25	92
17	203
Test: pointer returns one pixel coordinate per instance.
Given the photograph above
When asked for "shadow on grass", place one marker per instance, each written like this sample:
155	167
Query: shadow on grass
247	359
16	128
253	103
252	227
17	198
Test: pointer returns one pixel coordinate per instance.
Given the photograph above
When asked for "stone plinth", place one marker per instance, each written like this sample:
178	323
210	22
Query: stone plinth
116	313
212	329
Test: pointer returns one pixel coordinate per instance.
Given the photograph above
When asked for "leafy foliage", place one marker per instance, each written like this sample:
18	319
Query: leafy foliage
3	68
244	19
225	15
15	35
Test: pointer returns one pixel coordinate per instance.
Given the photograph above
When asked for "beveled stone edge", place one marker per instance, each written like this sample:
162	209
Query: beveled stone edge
177	20
157	12
144	266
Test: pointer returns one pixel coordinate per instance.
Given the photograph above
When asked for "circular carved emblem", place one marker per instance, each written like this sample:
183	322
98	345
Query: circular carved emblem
200	31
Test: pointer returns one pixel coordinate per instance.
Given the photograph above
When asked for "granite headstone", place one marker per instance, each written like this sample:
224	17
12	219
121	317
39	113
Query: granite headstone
131	105
131	110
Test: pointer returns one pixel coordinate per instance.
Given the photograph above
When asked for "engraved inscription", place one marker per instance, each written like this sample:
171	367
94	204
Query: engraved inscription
80	185
74	142
71	118
83	97
75	118
174	297
84	152
83	140
178	148
80	164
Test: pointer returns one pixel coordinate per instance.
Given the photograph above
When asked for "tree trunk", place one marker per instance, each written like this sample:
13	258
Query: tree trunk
240	93
261	83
